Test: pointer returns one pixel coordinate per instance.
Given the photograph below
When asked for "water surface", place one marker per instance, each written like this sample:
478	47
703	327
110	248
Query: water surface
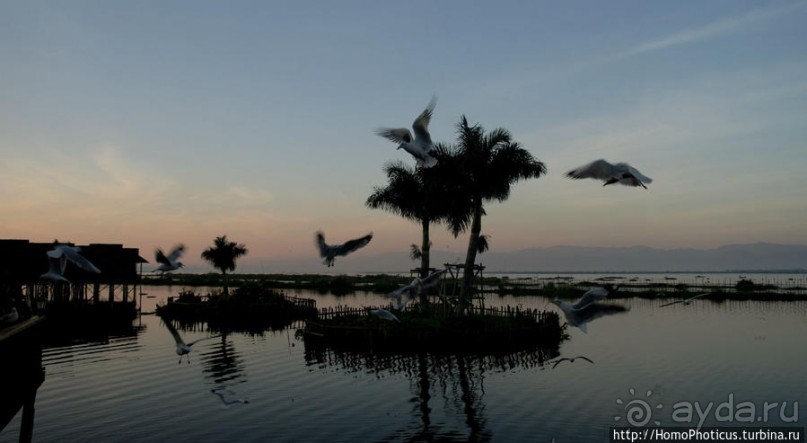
134	388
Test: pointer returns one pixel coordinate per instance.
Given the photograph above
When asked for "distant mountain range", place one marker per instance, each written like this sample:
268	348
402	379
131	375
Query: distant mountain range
737	257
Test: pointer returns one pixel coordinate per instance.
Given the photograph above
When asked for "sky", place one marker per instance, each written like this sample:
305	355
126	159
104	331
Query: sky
153	123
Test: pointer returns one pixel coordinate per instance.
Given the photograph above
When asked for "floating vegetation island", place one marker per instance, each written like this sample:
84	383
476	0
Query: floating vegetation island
258	303
250	308
434	328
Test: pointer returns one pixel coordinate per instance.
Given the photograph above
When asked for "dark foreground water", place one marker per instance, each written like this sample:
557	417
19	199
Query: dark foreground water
724	363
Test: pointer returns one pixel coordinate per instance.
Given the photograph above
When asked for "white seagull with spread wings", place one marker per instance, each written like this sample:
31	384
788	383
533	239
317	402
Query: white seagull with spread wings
587	309
431	280
415	288
71	253
56	269
171	261
594	295
421	145
330	252
621	173
403	295
384	314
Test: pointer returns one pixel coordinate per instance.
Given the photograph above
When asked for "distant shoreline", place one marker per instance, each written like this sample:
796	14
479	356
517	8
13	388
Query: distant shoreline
721	285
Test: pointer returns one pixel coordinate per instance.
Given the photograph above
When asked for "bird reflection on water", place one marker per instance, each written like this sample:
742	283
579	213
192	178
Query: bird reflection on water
225	402
182	348
687	301
224	367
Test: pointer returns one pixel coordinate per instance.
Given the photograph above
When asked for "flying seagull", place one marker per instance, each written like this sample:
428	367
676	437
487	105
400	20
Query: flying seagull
687	301
571	360
421	145
56	270
408	291
72	254
330	252
384	314
594	295
581	317
621	173
417	287
171	261
431	280
182	347
588	308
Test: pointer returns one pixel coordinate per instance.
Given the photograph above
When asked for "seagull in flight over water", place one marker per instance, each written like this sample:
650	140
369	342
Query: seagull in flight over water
421	145
330	252
571	360
171	261
182	347
621	173
409	291
594	295
384	314
687	301
415	288
588	308
431	280
56	270
71	253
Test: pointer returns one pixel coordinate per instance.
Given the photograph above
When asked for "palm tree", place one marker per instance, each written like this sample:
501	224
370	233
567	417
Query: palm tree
489	164
416	194
223	255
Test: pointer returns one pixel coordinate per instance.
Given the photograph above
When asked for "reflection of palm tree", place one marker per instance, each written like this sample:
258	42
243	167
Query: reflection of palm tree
487	165
223	255
223	365
423	388
473	404
458	374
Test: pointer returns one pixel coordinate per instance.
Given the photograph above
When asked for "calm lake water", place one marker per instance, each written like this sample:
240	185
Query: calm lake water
732	358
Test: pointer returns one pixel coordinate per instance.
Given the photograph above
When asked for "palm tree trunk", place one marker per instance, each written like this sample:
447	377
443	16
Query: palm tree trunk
467	291
424	249
224	272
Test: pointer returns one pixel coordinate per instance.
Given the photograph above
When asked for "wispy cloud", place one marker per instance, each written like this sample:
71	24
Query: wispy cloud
711	30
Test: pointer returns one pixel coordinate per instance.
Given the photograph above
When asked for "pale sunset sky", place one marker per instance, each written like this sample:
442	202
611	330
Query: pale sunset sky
150	123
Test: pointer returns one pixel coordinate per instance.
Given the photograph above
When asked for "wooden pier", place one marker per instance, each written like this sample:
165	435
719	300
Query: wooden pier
22	263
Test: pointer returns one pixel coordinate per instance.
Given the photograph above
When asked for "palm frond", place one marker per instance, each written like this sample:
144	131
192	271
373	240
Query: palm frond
483	244
415	253
224	253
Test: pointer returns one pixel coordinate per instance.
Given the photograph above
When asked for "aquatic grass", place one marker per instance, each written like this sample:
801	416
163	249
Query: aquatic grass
432	327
